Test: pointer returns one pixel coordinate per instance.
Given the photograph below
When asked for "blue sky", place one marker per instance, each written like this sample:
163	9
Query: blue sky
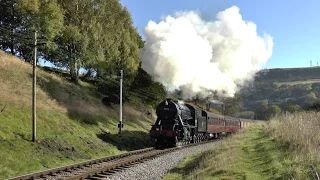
294	25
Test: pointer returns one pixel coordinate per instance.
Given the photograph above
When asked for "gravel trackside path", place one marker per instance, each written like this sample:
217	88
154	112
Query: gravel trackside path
156	168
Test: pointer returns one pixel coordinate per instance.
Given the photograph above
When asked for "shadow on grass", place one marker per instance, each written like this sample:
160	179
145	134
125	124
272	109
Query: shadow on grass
127	140
192	164
84	107
81	106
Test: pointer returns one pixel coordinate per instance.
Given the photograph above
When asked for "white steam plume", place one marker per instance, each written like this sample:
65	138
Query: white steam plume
187	53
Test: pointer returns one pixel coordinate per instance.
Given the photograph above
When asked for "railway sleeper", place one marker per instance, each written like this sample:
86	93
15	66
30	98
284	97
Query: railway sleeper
95	178
101	175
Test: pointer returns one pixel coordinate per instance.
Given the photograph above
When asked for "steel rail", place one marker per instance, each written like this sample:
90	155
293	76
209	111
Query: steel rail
128	161
125	160
77	165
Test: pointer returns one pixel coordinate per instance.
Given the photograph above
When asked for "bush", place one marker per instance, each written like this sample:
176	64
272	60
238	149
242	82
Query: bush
111	89
147	89
245	115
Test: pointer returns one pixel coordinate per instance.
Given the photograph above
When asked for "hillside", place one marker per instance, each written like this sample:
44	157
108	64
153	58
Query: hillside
72	123
283	87
288	74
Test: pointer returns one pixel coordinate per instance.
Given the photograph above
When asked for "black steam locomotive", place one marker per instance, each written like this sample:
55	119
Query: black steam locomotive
180	123
176	122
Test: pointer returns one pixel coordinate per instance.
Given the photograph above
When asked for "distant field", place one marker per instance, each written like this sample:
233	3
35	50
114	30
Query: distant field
291	83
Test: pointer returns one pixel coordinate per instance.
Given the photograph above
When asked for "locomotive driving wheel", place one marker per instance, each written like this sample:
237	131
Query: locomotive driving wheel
177	142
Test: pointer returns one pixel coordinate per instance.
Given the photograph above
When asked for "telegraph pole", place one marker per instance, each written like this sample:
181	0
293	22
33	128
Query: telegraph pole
120	125
34	118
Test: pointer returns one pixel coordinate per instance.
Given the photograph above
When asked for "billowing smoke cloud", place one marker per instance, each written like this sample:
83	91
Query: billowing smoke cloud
187	53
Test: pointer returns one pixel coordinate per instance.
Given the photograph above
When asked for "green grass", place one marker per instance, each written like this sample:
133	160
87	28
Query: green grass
250	155
72	123
285	148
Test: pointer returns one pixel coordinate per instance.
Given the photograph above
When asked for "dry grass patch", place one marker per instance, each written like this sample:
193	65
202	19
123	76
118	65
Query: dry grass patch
299	133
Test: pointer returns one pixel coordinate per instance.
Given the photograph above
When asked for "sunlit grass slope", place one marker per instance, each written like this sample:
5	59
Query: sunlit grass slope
72	123
285	148
249	155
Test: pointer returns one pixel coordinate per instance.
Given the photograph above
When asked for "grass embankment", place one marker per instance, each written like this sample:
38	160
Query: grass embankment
286	148
249	155
72	123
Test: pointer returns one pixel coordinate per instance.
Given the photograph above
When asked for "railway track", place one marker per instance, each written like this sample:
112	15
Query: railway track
103	167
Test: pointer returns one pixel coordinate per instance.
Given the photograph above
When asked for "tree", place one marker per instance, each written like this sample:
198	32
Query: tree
99	36
123	44
150	91
19	18
9	18
313	106
261	111
70	52
245	115
231	104
273	111
293	108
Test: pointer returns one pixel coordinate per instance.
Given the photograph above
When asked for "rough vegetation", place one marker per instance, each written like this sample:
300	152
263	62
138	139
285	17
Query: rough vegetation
299	134
72	122
285	148
248	155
